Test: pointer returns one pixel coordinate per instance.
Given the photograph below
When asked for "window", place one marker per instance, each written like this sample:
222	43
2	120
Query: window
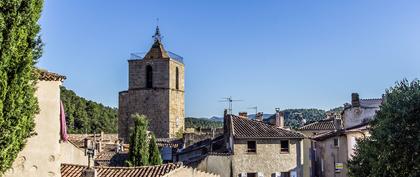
285	174
252	146
149	76
176	78
251	175
336	142
284	147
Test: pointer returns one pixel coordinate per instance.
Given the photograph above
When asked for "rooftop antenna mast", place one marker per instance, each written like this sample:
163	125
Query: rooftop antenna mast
254	108
230	103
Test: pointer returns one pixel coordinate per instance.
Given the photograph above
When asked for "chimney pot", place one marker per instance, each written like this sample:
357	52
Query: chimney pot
259	116
243	114
355	101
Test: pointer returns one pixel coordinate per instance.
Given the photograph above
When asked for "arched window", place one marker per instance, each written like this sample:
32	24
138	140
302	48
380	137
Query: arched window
149	76
176	78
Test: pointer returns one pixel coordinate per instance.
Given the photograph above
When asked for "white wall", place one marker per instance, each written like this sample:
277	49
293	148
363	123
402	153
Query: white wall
41	155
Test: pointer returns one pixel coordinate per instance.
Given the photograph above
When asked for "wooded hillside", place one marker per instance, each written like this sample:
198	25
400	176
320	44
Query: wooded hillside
85	116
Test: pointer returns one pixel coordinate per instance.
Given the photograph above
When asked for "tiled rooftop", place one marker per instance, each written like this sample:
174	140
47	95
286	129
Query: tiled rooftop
246	128
326	124
49	76
68	170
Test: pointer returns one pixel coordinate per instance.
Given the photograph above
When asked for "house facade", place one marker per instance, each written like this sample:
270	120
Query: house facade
333	149
255	148
309	152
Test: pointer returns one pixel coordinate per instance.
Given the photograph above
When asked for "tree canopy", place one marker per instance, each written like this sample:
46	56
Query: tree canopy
20	47
154	153
85	116
139	148
394	145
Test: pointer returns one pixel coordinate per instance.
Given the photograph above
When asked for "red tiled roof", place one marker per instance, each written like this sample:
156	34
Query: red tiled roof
169	142
326	124
68	170
49	76
246	128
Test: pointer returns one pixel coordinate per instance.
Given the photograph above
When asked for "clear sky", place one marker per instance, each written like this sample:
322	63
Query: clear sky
287	54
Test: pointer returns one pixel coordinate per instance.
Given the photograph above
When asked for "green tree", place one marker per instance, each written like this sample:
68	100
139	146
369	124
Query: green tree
154	153
20	48
394	145
85	116
138	154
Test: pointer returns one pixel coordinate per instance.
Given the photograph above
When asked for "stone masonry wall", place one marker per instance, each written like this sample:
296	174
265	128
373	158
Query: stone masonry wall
267	159
176	100
163	104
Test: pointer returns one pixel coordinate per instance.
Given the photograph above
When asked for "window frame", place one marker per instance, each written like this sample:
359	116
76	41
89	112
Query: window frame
336	142
282	151
250	150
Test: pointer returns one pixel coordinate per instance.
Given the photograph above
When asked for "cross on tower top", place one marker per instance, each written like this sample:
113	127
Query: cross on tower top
157	36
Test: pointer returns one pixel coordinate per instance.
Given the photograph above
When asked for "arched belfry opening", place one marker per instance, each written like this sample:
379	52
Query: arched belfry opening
176	78
149	76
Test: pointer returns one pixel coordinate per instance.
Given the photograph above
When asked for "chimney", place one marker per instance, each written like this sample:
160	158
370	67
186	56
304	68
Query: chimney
259	116
89	172
355	101
337	122
243	114
279	118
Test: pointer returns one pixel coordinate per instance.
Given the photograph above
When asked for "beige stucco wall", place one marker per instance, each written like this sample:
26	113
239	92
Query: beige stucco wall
307	162
267	159
41	155
70	154
216	164
357	115
189	172
329	155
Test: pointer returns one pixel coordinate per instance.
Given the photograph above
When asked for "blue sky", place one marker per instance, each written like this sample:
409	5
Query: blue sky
287	54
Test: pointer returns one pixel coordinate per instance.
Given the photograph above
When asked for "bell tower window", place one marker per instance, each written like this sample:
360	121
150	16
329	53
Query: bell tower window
176	78
149	76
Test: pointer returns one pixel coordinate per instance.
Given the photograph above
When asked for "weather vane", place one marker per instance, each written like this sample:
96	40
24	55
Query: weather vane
157	36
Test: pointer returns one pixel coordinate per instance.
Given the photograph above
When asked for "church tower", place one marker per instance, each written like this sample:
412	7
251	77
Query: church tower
156	90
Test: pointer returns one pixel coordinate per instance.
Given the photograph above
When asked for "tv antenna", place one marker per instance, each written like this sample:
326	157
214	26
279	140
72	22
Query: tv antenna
230	103
254	108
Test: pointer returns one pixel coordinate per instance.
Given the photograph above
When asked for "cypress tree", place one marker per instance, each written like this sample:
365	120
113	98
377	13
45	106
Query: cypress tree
20	47
138	154
154	153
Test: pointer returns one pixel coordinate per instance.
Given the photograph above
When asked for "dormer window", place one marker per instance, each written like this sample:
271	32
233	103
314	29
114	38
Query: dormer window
149	76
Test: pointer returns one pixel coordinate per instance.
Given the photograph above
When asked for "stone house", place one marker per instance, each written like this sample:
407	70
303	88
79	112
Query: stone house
309	130
45	151
334	148
255	148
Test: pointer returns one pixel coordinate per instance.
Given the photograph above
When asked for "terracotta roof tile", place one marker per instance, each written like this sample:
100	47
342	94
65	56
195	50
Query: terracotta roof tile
326	124
68	170
246	128
49	76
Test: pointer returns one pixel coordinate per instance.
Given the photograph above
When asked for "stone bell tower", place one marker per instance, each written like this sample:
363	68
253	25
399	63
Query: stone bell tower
156	90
